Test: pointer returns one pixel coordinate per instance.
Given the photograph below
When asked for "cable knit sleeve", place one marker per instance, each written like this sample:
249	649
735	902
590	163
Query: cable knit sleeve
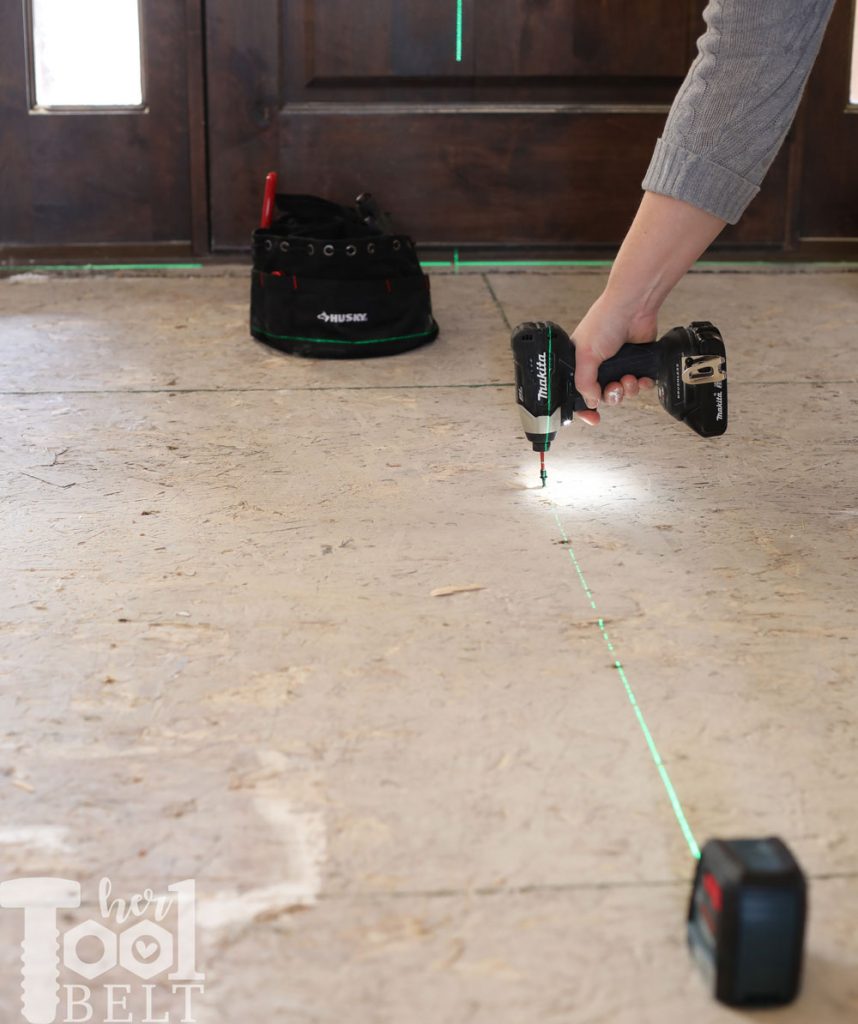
737	102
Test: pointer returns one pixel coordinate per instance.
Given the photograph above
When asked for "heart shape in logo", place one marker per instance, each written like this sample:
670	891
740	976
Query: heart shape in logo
145	950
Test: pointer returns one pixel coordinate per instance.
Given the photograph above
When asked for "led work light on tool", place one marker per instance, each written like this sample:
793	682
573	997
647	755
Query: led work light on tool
689	365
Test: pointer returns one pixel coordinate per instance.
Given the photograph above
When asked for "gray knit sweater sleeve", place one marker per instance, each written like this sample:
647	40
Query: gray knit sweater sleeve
738	101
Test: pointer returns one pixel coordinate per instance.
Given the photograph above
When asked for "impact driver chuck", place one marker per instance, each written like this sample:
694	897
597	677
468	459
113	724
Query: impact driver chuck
689	366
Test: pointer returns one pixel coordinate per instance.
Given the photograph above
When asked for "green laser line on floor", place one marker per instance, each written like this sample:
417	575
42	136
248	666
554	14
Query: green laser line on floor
88	267
724	266
675	804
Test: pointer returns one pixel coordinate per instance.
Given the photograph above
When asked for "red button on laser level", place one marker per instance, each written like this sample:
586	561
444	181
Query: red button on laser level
746	920
713	891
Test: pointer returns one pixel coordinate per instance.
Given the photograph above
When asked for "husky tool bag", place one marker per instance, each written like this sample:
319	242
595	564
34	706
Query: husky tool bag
331	280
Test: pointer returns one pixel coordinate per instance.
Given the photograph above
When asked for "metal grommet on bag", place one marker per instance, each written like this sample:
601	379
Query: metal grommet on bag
371	248
269	245
284	247
311	249
397	245
328	250
351	250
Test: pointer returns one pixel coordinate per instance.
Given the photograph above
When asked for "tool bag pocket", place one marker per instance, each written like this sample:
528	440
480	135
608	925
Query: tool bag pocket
333	281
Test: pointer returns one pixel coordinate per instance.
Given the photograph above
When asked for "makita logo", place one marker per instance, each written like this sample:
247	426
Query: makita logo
344	318
542	376
719	403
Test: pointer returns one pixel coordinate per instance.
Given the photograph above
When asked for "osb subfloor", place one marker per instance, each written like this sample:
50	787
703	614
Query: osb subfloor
222	658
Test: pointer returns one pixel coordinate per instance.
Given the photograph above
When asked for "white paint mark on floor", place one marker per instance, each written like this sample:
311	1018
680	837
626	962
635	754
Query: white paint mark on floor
50	838
302	834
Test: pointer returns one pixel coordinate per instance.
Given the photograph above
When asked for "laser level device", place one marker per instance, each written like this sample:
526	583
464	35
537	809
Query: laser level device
746	920
688	364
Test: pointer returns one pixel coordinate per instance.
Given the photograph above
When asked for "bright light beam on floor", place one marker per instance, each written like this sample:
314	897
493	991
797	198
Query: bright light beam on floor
573	481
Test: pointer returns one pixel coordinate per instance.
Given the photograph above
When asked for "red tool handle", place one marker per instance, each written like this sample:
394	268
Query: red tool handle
268	199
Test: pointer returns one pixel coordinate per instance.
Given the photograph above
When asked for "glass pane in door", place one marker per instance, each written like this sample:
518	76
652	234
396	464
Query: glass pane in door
86	53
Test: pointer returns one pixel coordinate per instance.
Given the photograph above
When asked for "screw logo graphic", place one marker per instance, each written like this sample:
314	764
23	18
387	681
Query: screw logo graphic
145	949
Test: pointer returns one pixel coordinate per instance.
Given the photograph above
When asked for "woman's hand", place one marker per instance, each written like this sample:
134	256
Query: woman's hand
666	237
600	335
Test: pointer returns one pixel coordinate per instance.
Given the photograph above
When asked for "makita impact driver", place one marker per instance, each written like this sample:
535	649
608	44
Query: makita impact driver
689	366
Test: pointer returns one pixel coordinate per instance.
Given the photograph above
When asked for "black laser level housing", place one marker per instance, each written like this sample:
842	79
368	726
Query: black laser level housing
688	364
746	920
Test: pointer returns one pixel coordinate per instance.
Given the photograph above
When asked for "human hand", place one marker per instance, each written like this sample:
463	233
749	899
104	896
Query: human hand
606	327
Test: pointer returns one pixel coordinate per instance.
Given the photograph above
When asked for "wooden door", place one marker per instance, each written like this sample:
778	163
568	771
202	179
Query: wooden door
105	182
825	215
501	125
520	123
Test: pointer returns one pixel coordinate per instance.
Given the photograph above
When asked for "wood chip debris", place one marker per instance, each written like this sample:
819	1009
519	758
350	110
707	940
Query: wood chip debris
460	589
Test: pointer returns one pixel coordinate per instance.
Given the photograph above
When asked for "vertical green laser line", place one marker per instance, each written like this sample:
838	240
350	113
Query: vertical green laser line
621	672
459	20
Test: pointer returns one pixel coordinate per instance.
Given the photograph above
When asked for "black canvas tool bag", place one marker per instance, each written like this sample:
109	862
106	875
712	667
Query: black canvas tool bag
331	280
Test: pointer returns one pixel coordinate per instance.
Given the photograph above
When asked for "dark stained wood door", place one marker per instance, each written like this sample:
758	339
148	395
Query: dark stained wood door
106	182
532	126
826	208
522	124
540	133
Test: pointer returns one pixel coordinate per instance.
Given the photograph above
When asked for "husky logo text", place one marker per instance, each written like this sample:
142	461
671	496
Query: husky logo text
344	318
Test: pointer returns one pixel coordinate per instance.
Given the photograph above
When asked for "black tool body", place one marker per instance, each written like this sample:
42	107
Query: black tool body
746	920
688	364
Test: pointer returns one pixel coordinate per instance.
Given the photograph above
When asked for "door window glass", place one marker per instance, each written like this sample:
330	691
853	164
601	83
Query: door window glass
86	53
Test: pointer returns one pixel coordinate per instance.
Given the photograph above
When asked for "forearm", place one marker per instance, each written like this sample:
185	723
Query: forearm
667	236
733	111
724	129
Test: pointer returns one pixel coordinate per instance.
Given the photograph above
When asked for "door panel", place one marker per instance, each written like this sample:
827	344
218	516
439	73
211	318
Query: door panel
540	134
453	177
829	182
559	38
101	177
390	39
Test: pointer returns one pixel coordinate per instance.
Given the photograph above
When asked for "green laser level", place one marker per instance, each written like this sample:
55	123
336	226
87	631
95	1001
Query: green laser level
746	920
